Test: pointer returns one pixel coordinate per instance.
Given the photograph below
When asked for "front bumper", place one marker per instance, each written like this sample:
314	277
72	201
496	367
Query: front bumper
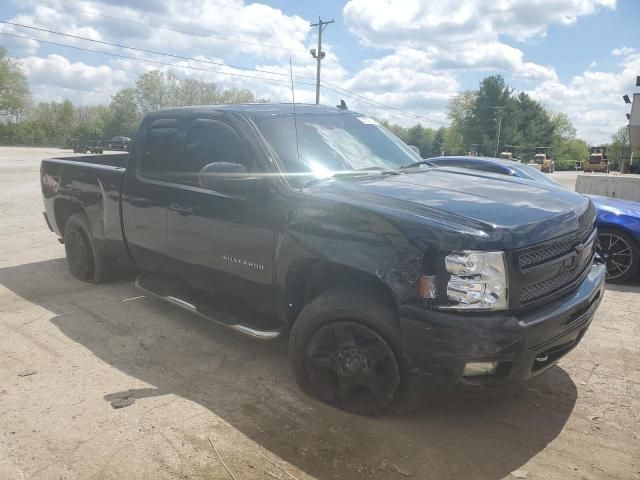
438	344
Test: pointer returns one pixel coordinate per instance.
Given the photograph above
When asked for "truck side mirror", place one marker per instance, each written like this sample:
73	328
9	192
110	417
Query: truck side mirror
227	177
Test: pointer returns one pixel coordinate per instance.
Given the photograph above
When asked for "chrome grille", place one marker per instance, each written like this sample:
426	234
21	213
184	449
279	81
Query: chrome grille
555	250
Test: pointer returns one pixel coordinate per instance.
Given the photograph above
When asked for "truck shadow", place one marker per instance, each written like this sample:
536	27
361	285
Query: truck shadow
250	386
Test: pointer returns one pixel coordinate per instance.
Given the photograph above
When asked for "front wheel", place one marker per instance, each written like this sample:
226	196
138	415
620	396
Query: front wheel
620	254
344	349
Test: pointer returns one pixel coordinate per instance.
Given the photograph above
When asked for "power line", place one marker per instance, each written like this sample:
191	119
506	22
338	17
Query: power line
337	88
377	104
184	32
153	52
181	57
155	62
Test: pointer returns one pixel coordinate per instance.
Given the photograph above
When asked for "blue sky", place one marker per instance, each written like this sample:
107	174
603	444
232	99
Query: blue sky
577	56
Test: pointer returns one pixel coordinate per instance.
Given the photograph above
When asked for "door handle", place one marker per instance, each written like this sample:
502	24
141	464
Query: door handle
181	209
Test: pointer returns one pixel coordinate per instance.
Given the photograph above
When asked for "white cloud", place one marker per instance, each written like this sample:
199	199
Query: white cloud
463	34
426	46
418	23
450	38
57	78
229	28
622	52
593	99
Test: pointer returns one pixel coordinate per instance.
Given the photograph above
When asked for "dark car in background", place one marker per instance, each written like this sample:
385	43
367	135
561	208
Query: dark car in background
92	146
618	221
119	143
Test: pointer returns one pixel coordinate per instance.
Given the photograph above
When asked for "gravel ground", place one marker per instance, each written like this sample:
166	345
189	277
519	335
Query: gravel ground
67	349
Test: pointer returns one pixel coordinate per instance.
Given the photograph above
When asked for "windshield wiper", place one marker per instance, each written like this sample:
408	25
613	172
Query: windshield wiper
360	172
417	164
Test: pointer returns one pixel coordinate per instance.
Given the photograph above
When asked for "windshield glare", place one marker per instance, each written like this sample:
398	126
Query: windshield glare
330	144
538	176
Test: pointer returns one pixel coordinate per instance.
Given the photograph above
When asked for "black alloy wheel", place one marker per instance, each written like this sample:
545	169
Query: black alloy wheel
351	366
619	253
79	254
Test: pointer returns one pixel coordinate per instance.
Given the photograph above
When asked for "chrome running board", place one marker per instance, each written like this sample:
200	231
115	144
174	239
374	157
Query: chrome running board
144	285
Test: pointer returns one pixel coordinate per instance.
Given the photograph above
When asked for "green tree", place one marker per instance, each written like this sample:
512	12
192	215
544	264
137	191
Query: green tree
65	117
63	123
534	127
620	148
475	114
525	123
569	152
420	137
454	143
14	90
563	129
123	114
438	141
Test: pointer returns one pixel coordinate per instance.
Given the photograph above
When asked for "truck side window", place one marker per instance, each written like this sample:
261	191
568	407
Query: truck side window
211	141
161	149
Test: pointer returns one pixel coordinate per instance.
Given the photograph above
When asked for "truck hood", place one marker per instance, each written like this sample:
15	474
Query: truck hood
510	212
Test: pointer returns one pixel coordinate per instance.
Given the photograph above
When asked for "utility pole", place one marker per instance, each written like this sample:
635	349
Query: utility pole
499	109
319	54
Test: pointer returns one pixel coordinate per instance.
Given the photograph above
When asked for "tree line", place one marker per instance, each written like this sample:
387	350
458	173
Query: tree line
63	123
524	122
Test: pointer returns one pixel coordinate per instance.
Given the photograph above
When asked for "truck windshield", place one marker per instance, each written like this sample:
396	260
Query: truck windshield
332	144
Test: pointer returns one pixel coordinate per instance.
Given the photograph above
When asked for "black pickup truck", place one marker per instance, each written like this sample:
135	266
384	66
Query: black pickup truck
386	273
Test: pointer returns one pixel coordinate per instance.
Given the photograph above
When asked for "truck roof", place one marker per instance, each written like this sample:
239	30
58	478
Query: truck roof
254	110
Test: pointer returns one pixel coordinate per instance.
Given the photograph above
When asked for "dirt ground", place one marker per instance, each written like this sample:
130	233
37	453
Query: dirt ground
68	348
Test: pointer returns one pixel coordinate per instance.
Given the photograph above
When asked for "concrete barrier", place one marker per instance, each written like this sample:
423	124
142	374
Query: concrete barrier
614	185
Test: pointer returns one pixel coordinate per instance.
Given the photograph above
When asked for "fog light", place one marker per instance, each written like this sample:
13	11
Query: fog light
474	369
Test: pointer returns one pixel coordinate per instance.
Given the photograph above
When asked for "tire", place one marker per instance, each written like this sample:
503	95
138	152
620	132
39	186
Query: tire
620	253
345	349
84	260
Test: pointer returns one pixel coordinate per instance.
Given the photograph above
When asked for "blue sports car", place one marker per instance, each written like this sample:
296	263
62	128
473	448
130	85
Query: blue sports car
618	221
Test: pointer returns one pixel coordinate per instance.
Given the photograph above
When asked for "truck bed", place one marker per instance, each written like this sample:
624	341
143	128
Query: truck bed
113	160
90	184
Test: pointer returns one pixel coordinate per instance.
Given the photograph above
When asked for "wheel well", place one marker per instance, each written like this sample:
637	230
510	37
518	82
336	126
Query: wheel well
620	229
63	209
310	279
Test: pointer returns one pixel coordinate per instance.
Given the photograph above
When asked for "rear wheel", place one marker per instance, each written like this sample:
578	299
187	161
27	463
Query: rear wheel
344	350
620	254
84	260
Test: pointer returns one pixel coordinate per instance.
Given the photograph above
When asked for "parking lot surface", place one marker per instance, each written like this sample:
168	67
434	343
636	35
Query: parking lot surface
203	395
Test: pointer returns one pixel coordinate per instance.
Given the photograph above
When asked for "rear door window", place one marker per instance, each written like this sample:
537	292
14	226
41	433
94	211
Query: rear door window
161	149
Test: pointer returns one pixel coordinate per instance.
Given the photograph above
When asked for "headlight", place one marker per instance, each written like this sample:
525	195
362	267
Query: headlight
478	280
